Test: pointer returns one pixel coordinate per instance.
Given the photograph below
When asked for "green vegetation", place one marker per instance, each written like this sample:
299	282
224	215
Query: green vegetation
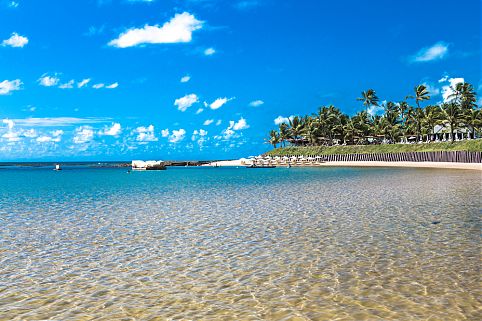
457	118
466	145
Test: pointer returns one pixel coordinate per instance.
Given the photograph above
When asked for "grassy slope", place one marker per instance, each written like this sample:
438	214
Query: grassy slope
467	145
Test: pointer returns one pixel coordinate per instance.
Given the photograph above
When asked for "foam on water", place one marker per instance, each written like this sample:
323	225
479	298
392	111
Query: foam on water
240	244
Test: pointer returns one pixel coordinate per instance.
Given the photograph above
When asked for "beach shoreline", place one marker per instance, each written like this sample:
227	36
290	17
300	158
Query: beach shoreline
439	165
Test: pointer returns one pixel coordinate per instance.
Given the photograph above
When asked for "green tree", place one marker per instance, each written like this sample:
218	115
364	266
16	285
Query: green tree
274	138
421	94
453	116
369	98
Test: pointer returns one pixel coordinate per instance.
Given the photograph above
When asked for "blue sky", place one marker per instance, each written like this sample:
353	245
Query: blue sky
204	79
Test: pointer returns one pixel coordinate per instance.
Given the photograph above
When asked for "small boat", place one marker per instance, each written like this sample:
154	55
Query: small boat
57	167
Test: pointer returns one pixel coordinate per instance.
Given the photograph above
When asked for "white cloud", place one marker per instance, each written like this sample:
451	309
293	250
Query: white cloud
178	29
165	132
30	133
185	102
436	52
112	86
208	122
282	120
199	136
7	86
374	110
185	78
231	131
447	90
218	103
432	90
177	135
240	124
56	136
83	82
209	52
11	136
256	103
58	121
145	134
10	123
48	81
219	122
13	4
67	85
15	40
113	130
200	110
443	79
83	134
98	86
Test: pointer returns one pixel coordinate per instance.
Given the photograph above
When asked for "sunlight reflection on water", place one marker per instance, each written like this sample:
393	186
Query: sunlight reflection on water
297	244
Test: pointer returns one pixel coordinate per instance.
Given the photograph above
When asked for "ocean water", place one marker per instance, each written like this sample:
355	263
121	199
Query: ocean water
240	244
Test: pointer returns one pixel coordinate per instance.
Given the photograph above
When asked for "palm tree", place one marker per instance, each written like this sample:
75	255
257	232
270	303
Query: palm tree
453	116
296	126
467	95
283	133
421	94
369	98
473	120
274	138
311	129
431	118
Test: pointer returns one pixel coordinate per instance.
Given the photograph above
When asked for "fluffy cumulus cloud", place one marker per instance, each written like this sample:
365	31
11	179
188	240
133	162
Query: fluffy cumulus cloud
448	88
67	85
178	29
7	86
98	86
209	52
375	110
218	103
48	81
199	136
15	40
145	134
185	79
54	137
114	130
165	132
432	90
208	122
83	82
83	134
185	102
240	124
436	52
256	103
282	120
233	128
177	135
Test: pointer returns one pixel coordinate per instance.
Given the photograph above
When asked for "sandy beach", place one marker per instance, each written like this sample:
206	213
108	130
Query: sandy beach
446	165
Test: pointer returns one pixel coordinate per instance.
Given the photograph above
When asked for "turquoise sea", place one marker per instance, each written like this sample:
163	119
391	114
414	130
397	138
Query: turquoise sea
239	244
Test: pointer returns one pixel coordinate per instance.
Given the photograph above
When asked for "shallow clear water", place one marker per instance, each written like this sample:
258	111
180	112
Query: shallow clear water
240	244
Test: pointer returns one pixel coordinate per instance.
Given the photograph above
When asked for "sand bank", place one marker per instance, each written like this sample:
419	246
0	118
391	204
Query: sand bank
447	165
